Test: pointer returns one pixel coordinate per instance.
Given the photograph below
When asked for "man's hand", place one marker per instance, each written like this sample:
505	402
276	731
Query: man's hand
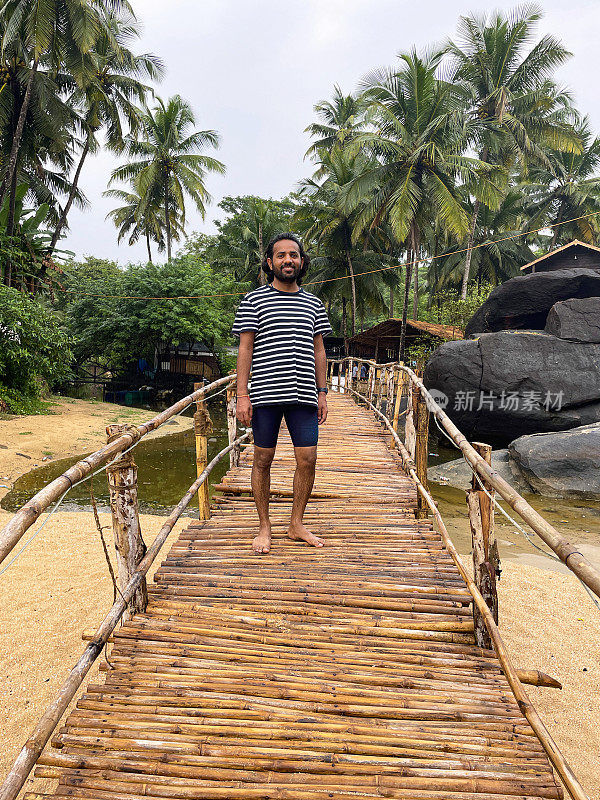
322	408
244	411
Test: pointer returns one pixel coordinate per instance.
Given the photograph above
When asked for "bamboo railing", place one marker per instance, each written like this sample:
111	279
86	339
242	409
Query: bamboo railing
568	553
133	580
384	384
513	676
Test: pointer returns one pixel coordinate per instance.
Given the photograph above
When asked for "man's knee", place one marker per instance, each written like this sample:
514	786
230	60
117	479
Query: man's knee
263	457
306	457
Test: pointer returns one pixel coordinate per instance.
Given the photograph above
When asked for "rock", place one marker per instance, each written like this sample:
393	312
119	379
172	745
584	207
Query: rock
503	385
578	320
563	464
458	473
523	303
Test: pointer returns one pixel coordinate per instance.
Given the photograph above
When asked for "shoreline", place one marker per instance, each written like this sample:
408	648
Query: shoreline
73	428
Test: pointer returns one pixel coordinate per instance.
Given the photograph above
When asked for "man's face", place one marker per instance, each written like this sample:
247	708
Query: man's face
286	262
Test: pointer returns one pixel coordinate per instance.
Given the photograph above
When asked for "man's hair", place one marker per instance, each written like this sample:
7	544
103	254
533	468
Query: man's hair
269	254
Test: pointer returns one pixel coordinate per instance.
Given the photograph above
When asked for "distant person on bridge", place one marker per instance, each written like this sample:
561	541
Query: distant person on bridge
281	328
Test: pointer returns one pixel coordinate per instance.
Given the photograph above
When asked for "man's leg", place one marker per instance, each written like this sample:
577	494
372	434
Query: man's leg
261	485
304	478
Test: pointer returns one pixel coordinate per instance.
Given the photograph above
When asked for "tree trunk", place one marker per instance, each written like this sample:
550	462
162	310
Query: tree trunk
12	202
65	212
411	255
167	219
416	291
262	275
465	280
16	143
344	325
353	286
148	246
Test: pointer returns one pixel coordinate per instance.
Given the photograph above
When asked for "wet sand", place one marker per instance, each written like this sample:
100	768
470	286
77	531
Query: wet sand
547	620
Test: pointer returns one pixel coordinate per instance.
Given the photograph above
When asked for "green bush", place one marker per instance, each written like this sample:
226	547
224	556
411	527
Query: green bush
33	347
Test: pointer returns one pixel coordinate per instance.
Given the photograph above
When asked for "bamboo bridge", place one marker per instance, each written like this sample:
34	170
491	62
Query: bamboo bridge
371	667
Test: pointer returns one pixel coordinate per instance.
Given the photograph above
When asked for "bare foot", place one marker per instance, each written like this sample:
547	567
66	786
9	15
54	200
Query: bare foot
298	532
262	542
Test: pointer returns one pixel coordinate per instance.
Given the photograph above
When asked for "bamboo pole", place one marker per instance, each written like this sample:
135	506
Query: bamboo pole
37	741
234	455
129	544
410	431
421	422
350	379
371	379
202	427
27	514
568	554
486	559
400	381
554	754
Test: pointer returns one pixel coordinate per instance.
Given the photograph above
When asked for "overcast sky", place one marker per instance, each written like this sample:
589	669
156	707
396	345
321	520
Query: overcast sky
253	70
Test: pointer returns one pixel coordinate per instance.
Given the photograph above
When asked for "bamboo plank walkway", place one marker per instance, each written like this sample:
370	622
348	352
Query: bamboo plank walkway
338	672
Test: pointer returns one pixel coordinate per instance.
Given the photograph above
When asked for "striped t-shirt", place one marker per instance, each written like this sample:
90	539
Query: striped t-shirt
283	359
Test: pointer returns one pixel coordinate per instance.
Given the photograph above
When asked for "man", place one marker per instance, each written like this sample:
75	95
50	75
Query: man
281	328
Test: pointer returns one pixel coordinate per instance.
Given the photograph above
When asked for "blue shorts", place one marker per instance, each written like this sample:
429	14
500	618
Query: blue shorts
301	421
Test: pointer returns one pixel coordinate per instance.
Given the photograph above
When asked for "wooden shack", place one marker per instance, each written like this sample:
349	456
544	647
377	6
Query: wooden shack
575	254
382	342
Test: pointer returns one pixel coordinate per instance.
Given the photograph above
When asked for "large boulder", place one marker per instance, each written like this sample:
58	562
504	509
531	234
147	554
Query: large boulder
523	303
578	320
503	385
560	464
459	474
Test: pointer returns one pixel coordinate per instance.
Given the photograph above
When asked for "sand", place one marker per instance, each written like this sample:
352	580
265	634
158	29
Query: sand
60	587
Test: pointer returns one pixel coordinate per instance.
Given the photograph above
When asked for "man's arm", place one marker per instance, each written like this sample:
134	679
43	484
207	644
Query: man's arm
244	365
321	376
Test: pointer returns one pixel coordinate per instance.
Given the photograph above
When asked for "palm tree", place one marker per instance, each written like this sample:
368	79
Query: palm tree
165	158
44	157
340	120
567	187
514	108
500	252
243	239
108	94
63	31
329	220
417	155
138	218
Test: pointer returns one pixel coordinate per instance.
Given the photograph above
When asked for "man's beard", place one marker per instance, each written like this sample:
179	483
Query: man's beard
287	277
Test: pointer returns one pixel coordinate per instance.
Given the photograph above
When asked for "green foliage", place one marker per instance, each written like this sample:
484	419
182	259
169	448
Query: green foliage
33	345
243	236
449	309
126	323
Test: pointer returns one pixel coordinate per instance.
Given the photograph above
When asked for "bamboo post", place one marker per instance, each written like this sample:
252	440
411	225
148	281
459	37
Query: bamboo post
389	397
421	422
350	380
129	545
400	381
234	454
202	427
410	433
371	383
382	383
486	559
